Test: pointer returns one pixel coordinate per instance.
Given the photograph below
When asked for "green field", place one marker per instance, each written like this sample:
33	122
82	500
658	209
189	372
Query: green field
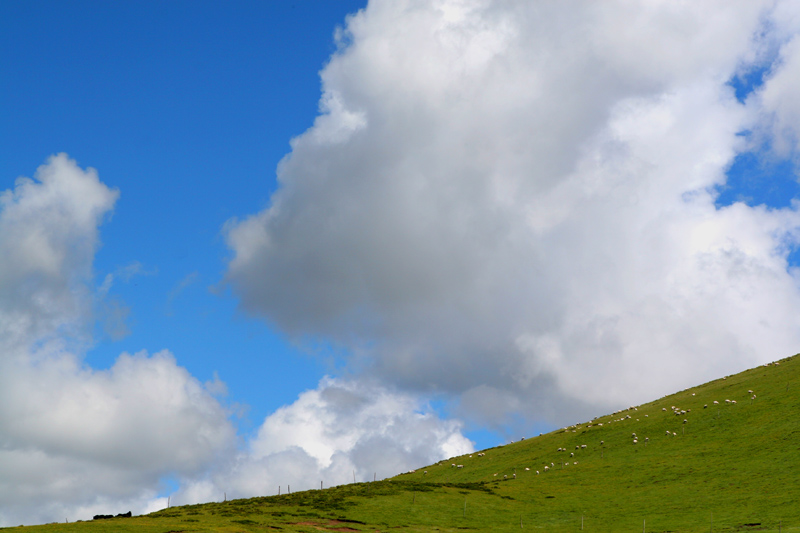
723	467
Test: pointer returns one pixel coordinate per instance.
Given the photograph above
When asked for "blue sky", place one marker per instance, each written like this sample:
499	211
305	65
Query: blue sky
186	108
394	231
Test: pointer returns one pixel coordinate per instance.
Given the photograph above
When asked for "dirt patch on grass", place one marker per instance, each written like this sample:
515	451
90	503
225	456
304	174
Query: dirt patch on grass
329	526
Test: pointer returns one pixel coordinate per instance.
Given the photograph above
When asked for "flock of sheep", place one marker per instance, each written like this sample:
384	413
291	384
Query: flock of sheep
627	415
624	415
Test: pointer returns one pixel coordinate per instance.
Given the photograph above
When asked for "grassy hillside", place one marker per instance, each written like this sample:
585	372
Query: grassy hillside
693	465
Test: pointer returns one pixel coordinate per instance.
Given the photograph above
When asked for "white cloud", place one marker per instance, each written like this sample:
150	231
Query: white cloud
524	215
74	441
338	430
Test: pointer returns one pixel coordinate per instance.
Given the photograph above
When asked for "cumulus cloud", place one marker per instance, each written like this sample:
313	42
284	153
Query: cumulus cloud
514	203
338	431
75	441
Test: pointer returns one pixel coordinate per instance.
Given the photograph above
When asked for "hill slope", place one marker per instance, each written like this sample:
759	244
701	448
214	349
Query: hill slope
716	457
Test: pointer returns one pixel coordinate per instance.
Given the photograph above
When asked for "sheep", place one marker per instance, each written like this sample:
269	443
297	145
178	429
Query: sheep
546	468
572	454
537	472
459	466
583	446
716	402
505	477
526	468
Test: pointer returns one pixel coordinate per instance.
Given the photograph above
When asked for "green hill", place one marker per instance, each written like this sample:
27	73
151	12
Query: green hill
716	457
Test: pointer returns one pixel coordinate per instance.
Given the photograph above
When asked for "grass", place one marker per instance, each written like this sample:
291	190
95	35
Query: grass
730	467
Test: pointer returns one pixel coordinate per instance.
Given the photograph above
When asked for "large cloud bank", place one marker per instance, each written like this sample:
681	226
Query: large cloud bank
75	441
513	203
